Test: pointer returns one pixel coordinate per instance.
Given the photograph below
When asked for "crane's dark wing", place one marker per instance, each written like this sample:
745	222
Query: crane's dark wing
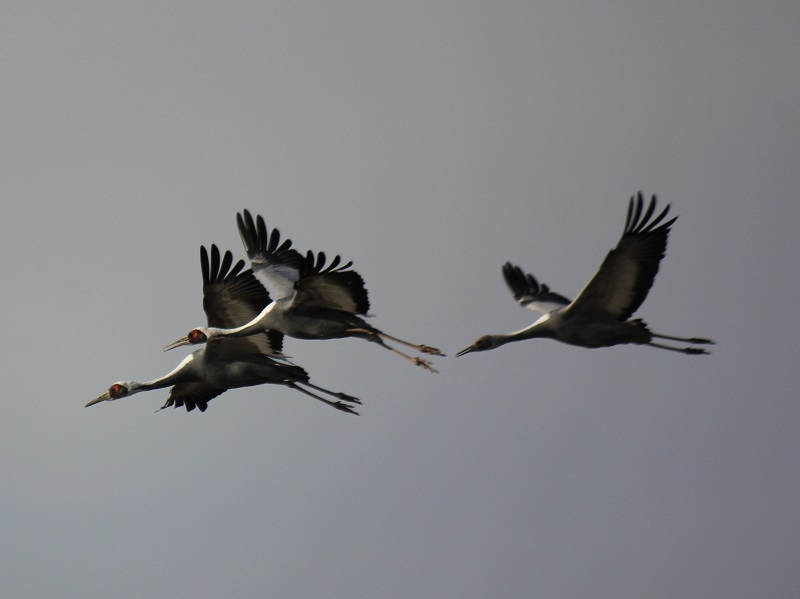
233	297
331	287
529	292
192	395
626	275
276	264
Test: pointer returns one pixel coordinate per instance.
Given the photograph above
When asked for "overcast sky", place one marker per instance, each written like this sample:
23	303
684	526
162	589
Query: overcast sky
429	142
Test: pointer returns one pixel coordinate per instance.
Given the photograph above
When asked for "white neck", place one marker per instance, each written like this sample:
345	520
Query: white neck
254	326
169	379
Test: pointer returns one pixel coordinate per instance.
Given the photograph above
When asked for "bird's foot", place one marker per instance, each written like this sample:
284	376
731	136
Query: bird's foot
344	407
695	351
426	349
346	397
424	364
700	340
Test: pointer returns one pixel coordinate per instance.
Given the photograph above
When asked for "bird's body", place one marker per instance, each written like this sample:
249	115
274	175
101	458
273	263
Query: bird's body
583	331
600	316
312	300
201	377
230	297
319	323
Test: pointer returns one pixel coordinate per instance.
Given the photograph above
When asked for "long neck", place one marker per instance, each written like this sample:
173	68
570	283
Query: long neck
254	326
540	328
182	373
503	338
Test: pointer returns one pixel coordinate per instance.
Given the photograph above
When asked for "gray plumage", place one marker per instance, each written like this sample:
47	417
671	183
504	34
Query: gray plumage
312	299
600	315
231	296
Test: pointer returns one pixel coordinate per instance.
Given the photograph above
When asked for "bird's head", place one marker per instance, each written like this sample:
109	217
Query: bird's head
195	337
115	391
481	344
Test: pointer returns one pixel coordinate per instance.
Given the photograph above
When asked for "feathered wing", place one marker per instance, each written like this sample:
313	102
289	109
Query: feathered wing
529	292
192	395
331	287
233	297
277	265
626	275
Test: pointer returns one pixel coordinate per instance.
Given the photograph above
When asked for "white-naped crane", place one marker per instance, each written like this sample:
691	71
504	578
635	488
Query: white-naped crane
231	296
600	315
311	300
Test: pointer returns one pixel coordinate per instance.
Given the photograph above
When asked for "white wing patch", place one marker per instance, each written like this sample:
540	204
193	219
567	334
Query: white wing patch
279	279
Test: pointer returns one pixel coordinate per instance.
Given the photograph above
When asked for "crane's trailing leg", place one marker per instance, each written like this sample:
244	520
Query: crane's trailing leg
694	340
421	362
425	349
376	337
696	351
418	362
336	394
334	404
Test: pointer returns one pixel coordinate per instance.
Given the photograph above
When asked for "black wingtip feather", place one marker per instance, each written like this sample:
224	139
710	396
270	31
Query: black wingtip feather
237	268
526	289
651	235
315	264
204	264
227	260
244	223
650	209
217	269
259	242
637	223
263	240
214	269
637	209
275	341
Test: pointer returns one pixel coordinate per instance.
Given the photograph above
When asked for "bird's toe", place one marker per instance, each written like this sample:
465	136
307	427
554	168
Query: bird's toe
426	349
345	408
350	398
425	364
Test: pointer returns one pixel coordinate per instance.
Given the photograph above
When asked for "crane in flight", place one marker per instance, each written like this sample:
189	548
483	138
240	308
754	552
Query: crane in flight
600	315
230	297
311	300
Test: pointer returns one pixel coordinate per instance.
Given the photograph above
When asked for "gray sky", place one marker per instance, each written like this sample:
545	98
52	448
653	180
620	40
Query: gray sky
429	143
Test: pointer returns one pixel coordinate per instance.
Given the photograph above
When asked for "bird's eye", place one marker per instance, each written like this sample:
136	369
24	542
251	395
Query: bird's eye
117	390
197	336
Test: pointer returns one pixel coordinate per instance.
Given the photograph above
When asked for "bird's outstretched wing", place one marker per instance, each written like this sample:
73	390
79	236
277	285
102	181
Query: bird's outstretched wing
233	297
192	395
275	264
626	275
331	287
529	292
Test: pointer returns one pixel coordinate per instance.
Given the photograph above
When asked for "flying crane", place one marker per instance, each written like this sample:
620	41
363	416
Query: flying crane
600	315
312	300
230	297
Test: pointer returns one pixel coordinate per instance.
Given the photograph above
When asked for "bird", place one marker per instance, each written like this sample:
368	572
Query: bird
312	300
600	316
231	296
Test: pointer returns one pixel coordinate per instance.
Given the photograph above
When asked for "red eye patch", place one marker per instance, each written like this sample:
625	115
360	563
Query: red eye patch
197	336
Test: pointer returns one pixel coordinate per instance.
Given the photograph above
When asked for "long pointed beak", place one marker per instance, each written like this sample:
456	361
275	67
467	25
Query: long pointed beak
466	350
178	343
104	397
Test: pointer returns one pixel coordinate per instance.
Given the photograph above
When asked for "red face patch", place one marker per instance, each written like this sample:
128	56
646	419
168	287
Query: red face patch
197	336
